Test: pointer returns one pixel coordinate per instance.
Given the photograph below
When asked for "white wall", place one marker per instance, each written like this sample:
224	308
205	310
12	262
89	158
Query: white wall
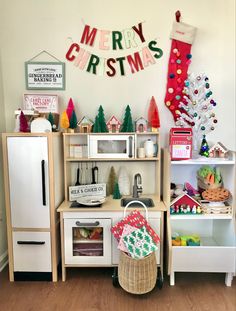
30	26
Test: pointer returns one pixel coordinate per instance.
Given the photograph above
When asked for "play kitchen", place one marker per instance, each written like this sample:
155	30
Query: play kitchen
109	173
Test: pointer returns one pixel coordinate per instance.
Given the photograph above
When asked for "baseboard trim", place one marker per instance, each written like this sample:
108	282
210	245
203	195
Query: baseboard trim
3	260
32	276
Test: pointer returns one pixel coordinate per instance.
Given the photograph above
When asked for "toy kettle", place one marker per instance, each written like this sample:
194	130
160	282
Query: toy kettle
149	148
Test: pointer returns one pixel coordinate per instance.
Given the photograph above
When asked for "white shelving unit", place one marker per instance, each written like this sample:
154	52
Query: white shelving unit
216	252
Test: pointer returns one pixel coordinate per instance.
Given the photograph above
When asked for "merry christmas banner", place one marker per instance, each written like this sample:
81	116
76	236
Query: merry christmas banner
114	40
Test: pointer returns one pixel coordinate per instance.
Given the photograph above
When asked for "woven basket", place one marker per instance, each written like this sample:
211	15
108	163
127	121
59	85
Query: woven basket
204	185
137	276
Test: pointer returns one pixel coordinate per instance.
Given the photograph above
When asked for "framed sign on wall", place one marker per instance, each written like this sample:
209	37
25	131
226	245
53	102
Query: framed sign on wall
43	103
45	75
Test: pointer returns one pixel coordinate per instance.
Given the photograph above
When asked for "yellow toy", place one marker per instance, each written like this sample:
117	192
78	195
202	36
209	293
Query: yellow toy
186	240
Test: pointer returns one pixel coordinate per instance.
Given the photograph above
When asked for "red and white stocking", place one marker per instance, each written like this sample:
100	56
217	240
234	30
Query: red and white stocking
182	36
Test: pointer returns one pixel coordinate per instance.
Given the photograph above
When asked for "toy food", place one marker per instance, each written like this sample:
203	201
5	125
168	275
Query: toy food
96	234
216	195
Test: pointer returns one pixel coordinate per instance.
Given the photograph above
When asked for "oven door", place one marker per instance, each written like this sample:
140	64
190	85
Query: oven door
87	241
111	146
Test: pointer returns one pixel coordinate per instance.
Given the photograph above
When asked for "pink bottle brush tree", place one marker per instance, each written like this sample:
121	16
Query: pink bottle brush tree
70	108
24	127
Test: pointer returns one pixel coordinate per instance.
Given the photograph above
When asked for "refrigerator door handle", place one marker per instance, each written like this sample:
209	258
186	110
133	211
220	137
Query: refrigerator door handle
43	182
31	242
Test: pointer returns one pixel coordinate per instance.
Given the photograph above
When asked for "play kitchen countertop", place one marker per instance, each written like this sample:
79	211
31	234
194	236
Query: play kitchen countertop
112	205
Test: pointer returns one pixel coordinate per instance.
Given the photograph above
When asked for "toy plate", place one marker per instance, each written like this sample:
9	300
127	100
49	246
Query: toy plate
91	200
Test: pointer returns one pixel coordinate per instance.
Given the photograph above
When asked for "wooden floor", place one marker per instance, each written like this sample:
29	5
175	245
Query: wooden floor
90	289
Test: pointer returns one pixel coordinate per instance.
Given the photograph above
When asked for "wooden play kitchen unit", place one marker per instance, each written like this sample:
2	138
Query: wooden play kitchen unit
80	225
216	252
33	177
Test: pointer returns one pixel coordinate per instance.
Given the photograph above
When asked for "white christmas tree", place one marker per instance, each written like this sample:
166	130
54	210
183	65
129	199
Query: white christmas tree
196	109
124	181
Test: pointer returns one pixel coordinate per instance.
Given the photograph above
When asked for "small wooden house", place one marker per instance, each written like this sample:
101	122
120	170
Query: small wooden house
113	125
184	203
218	151
141	125
85	125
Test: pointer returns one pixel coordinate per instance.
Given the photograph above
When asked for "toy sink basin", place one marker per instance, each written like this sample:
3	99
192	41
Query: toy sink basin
147	201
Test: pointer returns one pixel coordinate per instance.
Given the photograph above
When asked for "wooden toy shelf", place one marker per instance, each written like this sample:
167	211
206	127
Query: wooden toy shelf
216	252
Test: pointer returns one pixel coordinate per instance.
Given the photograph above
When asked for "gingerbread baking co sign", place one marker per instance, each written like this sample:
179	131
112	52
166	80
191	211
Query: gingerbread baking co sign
106	41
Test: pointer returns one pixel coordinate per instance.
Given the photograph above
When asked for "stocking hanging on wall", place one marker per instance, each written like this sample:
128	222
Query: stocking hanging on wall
182	36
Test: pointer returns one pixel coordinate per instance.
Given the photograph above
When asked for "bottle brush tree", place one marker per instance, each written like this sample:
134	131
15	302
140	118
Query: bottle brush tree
127	125
64	122
73	120
70	108
153	115
116	193
24	127
51	120
111	181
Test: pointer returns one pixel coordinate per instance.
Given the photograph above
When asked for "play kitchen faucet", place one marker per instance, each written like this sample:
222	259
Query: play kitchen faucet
137	187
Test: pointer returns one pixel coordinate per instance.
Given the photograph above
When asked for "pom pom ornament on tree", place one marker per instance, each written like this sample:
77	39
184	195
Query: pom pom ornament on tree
196	109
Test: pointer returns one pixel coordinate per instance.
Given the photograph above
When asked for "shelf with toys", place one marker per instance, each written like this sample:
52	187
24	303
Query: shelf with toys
199	195
81	155
105	144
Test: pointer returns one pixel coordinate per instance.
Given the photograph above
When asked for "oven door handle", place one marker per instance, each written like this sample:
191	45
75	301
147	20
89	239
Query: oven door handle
87	224
130	147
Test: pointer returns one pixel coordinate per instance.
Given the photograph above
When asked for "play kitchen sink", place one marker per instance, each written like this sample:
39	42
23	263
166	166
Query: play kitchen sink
137	189
147	201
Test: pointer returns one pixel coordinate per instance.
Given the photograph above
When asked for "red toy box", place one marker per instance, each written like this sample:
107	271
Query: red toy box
180	143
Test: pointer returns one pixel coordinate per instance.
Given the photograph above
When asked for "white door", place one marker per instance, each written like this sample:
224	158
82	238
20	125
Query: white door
32	251
28	181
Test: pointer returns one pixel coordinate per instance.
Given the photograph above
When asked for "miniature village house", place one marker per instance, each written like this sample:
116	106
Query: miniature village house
218	151
113	125
141	125
184	203
85	125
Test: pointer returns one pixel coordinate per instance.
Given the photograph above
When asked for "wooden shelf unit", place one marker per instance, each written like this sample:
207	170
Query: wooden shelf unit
111	211
71	164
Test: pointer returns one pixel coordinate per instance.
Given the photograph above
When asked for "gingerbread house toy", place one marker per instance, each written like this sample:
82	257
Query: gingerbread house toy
113	125
185	204
218	151
85	125
141	125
